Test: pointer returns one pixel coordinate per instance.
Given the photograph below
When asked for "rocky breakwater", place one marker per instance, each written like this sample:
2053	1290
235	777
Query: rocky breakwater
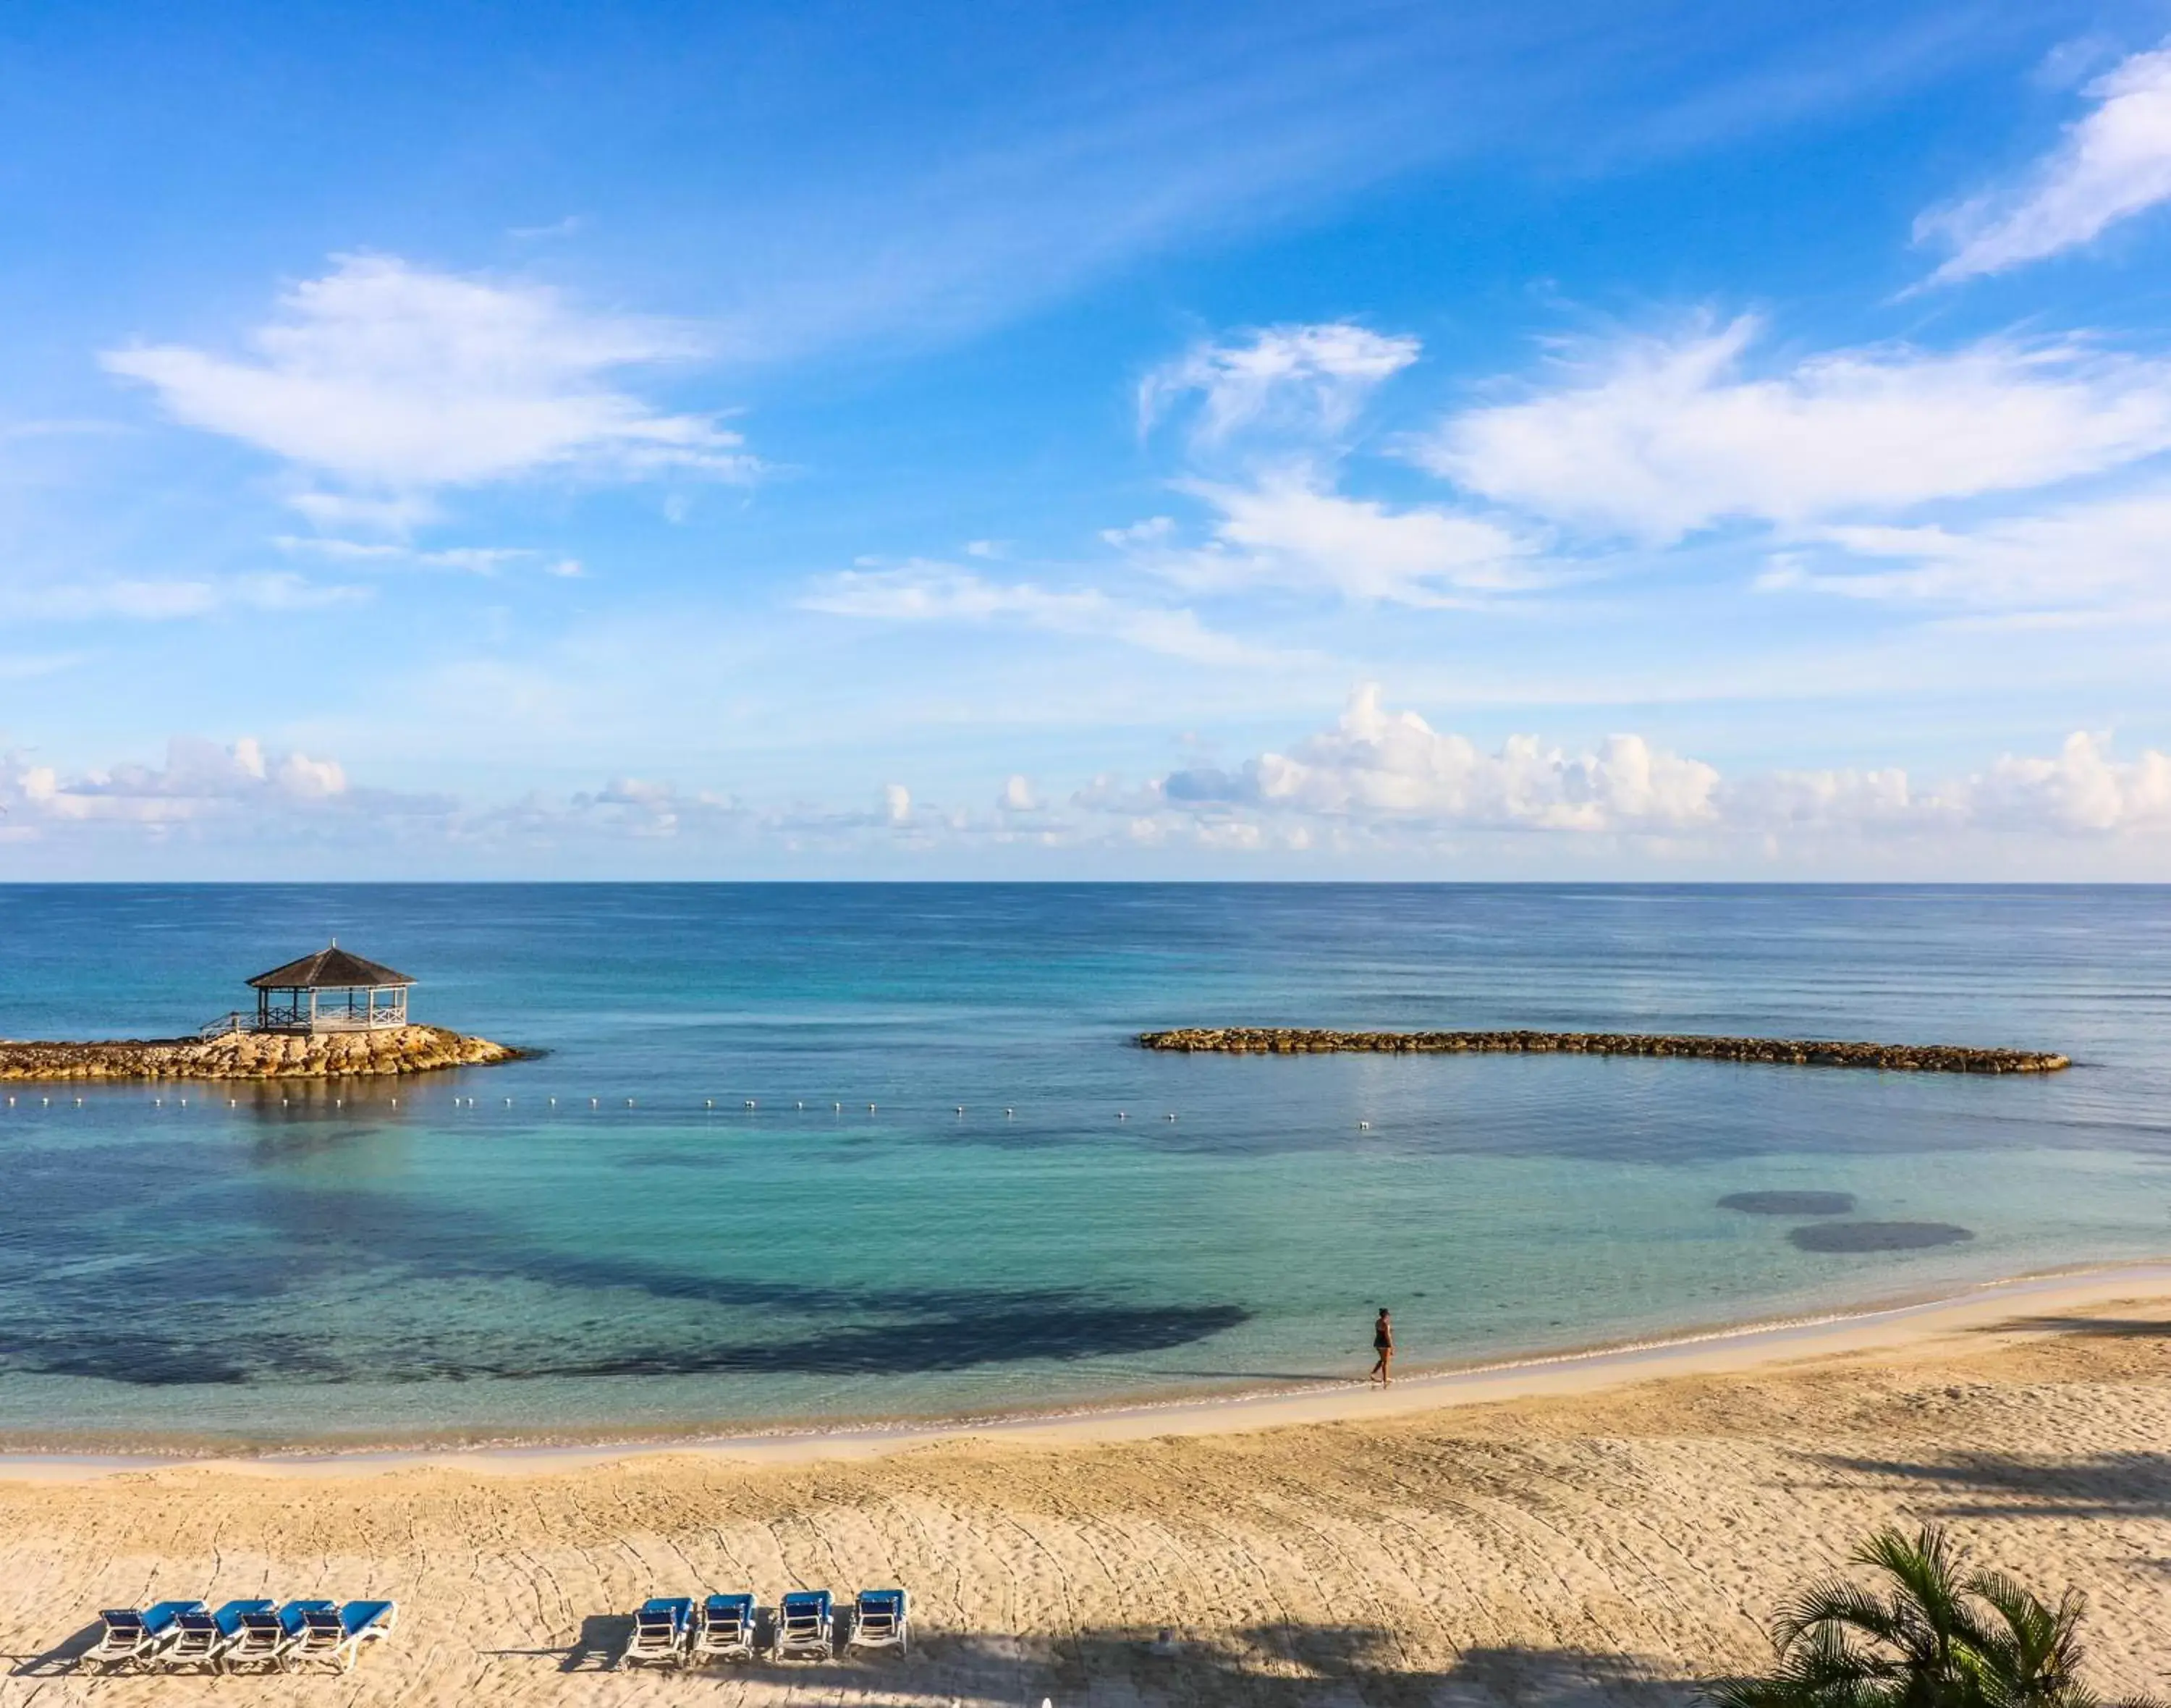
1904	1058
255	1055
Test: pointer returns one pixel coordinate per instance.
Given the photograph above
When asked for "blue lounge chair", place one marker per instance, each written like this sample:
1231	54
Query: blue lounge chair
335	1634
260	1636
127	1637
313	1631
806	1626
726	1632
204	1637
660	1629
879	1621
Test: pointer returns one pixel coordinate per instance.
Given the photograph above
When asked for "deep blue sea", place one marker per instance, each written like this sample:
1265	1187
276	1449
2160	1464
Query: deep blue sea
871	1152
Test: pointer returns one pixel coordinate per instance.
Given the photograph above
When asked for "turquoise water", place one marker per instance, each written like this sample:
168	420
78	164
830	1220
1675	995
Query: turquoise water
321	1263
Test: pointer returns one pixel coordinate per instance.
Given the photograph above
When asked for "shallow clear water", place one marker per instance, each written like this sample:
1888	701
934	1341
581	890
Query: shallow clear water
295	1267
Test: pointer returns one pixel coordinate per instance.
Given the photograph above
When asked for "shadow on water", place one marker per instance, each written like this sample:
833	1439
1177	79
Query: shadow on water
183	1311
1264	1666
1997	1485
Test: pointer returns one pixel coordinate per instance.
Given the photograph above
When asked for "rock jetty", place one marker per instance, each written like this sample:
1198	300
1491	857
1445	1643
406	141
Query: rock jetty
255	1055
1904	1058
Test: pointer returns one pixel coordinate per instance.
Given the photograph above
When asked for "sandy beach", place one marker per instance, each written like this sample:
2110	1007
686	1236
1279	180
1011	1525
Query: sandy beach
1608	1529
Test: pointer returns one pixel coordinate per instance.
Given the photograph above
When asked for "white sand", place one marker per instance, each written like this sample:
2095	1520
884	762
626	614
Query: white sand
1607	1528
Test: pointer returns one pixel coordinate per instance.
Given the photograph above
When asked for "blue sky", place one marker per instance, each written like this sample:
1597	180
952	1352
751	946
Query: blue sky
1662	440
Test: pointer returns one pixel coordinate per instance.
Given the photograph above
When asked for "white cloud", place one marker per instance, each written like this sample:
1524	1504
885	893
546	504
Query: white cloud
1017	796
1288	528
138	600
1309	380
475	560
2102	554
930	592
200	779
394	382
2110	165
1656	438
1383	774
1377	765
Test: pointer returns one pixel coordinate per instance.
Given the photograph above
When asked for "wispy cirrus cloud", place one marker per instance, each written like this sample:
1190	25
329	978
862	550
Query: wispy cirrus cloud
384	383
1270	414
1288	528
2112	163
1309	380
924	592
473	560
2100	554
145	599
1655	438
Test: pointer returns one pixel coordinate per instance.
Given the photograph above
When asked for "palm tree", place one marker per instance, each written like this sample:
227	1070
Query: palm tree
1935	1638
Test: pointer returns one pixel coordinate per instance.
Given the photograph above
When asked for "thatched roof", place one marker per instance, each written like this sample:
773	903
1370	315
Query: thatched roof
328	970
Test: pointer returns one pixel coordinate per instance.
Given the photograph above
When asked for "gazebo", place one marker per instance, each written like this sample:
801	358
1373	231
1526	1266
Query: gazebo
305	996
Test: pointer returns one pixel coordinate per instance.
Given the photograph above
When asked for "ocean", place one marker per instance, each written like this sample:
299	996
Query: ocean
792	1155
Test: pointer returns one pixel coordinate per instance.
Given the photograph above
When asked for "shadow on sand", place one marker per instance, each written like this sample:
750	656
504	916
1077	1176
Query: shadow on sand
1264	1666
2016	1486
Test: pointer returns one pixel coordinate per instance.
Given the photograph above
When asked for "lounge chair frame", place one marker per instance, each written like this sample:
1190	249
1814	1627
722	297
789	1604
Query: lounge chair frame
129	1636
807	1626
663	1625
726	1630
880	1620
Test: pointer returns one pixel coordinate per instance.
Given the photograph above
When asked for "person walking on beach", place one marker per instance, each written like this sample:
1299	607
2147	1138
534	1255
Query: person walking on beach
1383	1343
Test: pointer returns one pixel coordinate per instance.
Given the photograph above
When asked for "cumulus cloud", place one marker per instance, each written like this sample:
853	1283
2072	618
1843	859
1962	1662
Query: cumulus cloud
1659	436
1306	379
392	382
2112	162
1387	775
1377	765
200	779
936	593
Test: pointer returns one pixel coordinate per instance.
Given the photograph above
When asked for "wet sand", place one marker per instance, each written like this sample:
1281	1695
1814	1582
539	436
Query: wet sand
1585	1530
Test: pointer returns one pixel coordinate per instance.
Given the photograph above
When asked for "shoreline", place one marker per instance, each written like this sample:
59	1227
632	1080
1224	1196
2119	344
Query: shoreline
1892	1324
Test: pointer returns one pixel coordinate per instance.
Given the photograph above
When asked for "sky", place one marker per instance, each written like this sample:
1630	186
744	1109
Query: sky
1658	439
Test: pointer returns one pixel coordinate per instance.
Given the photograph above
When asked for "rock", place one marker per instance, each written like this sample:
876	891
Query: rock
1905	1058
255	1055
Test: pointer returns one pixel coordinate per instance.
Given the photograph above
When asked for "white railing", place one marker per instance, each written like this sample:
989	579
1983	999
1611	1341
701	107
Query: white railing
300	1020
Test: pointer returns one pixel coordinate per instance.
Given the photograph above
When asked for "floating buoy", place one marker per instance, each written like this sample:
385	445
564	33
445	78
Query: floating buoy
158	1102
554	1102
961	1108
871	1109
1364	1127
629	1103
802	1104
1172	1117
839	1107
1121	1116
1010	1115
593	1102
749	1103
710	1103
232	1103
185	1103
